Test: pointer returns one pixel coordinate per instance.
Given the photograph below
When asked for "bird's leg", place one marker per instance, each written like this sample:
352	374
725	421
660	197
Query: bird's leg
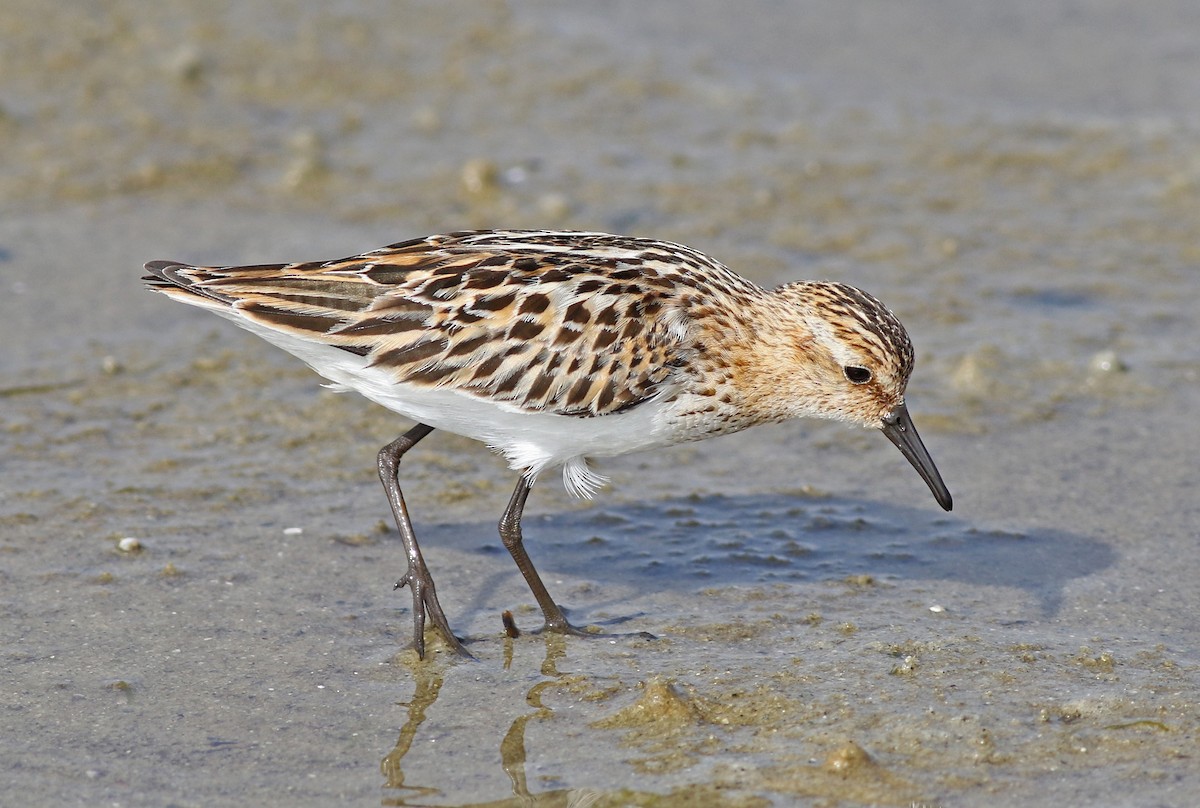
510	535
417	577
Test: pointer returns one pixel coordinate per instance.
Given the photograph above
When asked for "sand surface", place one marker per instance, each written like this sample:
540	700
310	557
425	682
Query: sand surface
1019	181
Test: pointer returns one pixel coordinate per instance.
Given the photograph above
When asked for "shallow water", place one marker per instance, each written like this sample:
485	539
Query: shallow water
1022	187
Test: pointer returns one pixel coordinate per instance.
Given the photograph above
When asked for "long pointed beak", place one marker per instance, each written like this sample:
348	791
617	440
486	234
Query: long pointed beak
898	427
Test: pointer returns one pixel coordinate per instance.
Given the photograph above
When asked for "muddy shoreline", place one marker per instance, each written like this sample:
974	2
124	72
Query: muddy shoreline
1021	188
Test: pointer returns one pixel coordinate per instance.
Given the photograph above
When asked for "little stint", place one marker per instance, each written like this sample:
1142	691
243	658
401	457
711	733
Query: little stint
556	347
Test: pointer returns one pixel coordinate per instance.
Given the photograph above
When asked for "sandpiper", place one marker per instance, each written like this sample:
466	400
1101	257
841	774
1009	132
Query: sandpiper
553	347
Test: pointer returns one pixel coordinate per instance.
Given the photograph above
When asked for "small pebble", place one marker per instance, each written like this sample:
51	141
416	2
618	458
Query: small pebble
129	544
848	759
1107	362
293	531
185	64
553	206
479	176
427	120
515	175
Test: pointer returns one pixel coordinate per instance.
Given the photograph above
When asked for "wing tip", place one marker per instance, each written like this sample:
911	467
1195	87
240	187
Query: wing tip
180	281
160	264
163	272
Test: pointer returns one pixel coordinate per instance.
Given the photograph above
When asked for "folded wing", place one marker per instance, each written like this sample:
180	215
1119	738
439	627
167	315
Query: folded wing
586	330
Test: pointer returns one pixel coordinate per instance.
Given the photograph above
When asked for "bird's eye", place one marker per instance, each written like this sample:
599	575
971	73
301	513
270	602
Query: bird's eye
857	375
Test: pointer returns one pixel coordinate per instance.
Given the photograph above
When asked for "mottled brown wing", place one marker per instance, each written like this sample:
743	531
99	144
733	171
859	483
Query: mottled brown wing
586	329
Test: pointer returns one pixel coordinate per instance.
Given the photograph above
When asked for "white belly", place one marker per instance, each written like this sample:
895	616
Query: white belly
529	441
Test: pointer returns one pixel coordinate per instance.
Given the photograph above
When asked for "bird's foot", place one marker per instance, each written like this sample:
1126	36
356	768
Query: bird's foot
558	624
426	606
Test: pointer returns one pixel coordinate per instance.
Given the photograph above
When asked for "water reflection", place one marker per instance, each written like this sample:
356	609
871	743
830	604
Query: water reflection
428	684
512	747
429	678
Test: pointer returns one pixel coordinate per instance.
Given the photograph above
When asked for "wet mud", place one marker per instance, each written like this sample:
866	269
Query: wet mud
196	558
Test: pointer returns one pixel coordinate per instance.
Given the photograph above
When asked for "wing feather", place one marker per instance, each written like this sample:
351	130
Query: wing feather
581	324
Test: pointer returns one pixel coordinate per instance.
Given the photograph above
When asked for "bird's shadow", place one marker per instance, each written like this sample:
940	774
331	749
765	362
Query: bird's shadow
700	541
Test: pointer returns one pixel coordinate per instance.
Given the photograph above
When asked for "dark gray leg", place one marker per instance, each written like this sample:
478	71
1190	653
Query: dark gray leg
417	577
510	534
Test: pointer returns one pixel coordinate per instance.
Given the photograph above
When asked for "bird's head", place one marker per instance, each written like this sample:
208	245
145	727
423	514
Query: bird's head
853	362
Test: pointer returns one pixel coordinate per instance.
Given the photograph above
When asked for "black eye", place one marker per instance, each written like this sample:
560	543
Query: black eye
857	375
